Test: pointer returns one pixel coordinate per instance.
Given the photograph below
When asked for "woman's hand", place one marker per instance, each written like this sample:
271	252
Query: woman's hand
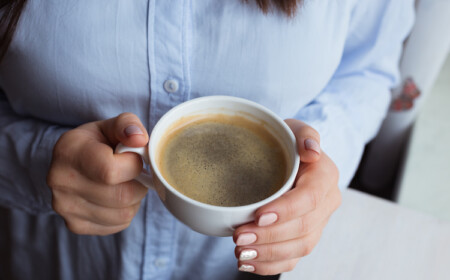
290	227
93	188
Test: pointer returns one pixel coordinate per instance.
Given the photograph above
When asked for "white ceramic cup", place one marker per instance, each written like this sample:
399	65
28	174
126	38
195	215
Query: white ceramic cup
201	217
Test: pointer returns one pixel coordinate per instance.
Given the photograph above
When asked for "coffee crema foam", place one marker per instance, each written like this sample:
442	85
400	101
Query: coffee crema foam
224	160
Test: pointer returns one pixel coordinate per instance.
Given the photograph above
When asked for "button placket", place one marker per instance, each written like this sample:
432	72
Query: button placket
171	86
167	57
167	27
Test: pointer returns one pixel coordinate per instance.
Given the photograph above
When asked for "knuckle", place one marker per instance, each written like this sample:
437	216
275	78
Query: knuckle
78	227
290	266
65	204
60	178
290	206
125	195
308	248
61	151
270	253
265	270
52	178
106	232
63	139
63	148
334	172
126	215
125	226
284	254
57	206
304	225
109	174
314	198
270	236
63	208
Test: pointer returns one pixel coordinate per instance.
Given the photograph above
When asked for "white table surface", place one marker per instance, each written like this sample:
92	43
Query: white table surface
369	238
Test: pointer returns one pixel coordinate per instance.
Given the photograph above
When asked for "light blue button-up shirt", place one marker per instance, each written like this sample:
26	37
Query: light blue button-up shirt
78	61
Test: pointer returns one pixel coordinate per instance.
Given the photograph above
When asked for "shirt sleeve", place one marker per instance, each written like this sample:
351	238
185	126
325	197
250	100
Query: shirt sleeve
349	110
26	146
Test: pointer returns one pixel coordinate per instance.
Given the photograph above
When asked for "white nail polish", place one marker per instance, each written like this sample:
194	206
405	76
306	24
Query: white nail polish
247	255
247	268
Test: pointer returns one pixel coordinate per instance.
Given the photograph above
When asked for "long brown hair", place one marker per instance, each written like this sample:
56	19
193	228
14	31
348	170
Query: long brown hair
287	7
12	9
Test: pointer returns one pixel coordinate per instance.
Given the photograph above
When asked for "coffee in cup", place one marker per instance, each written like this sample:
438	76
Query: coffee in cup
223	160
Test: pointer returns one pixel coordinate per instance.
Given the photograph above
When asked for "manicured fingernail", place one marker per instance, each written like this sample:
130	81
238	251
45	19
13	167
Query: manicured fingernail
245	239
267	219
247	255
133	130
312	145
247	268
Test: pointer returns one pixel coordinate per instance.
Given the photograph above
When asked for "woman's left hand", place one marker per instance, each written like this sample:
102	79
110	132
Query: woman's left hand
290	227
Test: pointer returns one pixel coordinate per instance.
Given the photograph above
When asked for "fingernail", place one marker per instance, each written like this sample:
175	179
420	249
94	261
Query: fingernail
267	219
312	145
247	255
247	268
133	130
245	239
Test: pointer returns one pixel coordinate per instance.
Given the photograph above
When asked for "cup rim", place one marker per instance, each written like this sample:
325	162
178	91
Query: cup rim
287	185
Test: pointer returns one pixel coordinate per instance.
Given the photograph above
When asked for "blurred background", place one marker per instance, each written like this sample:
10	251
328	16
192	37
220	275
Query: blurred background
418	175
409	160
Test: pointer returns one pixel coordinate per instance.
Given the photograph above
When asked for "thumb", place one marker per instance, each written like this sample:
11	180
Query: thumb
308	140
126	128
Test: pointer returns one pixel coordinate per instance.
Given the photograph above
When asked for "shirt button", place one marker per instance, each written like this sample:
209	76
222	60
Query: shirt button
171	86
160	263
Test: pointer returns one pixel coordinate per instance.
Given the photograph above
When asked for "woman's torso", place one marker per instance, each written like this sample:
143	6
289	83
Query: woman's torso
77	61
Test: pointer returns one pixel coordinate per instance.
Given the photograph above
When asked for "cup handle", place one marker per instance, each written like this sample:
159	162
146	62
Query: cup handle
145	177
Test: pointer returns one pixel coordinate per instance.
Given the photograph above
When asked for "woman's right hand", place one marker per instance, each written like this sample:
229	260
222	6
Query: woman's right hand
93	188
